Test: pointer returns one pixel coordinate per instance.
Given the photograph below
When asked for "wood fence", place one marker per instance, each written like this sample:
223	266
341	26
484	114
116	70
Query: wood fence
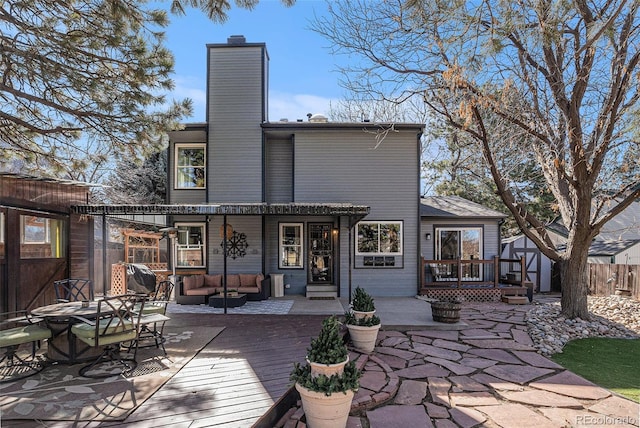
607	279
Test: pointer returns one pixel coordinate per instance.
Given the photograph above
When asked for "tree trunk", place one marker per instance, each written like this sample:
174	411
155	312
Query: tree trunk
574	283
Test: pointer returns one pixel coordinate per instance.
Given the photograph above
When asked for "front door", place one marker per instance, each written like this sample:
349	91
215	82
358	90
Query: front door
320	253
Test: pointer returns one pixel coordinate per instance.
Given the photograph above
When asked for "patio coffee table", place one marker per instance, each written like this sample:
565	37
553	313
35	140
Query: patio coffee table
217	300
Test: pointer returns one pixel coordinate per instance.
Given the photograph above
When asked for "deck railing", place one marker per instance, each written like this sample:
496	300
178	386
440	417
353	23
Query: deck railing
452	274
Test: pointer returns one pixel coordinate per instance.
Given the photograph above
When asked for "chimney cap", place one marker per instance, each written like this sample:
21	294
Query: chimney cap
237	39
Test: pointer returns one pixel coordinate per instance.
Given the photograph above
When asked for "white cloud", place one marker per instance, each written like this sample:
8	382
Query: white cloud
192	87
284	105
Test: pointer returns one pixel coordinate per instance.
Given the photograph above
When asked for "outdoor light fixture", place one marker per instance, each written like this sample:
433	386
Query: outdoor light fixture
428	236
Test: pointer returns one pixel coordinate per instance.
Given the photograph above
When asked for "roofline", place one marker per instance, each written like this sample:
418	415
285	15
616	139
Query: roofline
342	125
63	181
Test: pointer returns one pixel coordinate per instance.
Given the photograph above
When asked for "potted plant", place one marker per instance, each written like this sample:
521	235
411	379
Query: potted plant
446	309
362	305
362	322
326	395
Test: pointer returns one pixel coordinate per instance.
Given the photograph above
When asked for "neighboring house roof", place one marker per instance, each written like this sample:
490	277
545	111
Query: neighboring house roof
455	207
624	226
611	248
607	248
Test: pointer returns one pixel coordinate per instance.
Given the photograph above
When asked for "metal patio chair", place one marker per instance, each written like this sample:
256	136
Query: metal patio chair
117	321
154	317
73	290
19	328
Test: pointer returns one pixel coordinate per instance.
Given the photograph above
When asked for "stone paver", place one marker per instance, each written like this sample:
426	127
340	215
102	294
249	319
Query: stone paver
485	374
394	416
517	374
465	383
422	371
472	399
411	392
541	399
572	385
517	415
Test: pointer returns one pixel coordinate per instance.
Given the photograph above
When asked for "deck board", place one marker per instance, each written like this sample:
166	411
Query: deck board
235	379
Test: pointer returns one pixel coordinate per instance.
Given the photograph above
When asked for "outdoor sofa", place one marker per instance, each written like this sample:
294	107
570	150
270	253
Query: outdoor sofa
195	289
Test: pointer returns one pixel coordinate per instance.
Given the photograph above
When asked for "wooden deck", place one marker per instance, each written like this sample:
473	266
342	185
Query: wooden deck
236	378
232	382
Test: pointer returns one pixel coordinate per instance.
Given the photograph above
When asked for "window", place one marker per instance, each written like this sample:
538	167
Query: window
379	238
190	166
41	237
190	247
459	243
290	238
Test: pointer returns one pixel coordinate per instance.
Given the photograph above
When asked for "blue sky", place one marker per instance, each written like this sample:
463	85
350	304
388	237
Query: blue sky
302	72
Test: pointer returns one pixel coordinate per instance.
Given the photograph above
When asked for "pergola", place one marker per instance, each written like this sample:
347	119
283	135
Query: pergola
354	212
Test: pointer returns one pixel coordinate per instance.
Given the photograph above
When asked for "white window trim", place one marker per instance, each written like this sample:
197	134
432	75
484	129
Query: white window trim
23	240
400	237
438	246
281	246
202	245
176	148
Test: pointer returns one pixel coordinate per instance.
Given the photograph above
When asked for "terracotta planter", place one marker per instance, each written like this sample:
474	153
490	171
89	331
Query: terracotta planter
362	315
447	312
363	338
322	411
328	370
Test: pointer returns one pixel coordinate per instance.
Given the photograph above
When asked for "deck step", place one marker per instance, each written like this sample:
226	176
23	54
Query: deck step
515	300
322	292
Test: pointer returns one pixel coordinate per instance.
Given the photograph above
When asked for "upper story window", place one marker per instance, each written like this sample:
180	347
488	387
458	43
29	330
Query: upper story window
290	245
190	168
379	238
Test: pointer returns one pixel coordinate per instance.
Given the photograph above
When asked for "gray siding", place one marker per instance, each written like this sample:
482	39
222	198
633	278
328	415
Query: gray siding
347	166
236	105
251	262
279	170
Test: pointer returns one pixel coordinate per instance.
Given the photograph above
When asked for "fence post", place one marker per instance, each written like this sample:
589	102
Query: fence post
496	271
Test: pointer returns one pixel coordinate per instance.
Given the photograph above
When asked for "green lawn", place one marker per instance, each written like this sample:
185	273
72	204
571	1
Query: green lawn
611	363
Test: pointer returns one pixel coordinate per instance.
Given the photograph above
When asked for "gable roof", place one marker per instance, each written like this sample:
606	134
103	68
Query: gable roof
455	207
624	226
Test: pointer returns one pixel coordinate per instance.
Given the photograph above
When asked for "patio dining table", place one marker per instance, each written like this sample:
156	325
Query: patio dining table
63	346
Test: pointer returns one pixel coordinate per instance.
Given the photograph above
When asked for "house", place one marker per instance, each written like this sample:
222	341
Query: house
321	207
41	240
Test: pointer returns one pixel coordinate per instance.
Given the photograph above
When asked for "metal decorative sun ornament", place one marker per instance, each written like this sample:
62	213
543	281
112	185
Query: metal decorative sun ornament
236	245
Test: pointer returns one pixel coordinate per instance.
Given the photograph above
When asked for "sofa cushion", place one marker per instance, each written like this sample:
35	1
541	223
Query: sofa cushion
213	280
247	279
201	291
190	282
259	279
233	281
